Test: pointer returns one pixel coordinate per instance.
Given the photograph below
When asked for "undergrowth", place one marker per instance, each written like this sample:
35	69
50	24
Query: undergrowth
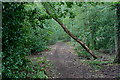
96	64
38	68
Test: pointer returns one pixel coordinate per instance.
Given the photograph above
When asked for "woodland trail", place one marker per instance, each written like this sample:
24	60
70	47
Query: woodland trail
66	64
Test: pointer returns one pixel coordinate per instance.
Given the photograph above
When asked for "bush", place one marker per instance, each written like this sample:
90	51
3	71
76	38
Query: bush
20	36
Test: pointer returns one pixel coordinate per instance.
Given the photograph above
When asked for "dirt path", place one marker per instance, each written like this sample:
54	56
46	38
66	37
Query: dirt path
67	65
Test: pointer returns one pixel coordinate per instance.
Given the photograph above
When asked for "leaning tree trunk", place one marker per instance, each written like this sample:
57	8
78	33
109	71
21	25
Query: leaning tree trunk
75	38
53	15
117	45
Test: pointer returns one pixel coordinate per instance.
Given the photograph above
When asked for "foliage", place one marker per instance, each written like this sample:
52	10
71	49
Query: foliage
95	23
81	52
22	35
38	68
92	22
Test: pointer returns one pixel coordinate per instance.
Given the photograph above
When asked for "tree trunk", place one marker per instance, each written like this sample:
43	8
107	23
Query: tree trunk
117	45
76	39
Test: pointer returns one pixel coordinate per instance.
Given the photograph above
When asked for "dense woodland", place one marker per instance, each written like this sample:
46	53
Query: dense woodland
29	28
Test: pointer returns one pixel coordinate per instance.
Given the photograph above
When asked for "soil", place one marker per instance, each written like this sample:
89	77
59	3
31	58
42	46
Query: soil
66	64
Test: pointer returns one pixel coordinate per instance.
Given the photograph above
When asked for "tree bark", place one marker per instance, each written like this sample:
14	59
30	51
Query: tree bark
71	35
117	45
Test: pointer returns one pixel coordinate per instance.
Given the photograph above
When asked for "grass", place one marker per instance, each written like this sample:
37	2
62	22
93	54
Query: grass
96	64
69	43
